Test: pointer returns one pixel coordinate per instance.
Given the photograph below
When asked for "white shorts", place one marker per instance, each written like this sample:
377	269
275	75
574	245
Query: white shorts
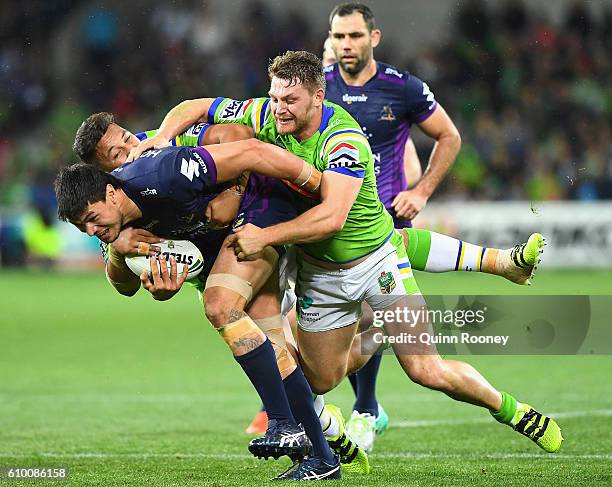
331	299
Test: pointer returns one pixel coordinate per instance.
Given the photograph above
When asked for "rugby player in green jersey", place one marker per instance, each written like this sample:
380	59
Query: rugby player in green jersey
241	289
349	251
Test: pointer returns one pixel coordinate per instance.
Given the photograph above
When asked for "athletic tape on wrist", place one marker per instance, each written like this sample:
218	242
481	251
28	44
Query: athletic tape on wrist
305	175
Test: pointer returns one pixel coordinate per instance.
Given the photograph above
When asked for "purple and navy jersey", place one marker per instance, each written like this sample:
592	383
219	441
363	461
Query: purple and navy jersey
385	107
172	188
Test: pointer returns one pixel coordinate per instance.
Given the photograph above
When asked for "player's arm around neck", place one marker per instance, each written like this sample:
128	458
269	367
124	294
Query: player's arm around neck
338	193
440	127
176	121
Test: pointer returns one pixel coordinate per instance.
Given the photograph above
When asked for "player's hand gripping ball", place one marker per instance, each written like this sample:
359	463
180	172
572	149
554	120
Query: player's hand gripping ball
185	253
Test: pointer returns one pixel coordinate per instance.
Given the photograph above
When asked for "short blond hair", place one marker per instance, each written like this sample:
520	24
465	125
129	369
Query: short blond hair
299	67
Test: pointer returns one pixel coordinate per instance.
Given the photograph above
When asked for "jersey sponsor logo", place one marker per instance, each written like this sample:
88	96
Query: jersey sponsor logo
333	124
195	129
149	192
235	109
305	302
343	155
386	114
386	282
180	258
394	72
377	167
190	168
150	153
348	99
201	162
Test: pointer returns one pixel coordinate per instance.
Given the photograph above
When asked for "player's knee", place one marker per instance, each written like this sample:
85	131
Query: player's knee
324	381
218	305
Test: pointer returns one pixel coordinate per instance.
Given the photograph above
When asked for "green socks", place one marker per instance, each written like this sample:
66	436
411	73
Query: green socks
507	410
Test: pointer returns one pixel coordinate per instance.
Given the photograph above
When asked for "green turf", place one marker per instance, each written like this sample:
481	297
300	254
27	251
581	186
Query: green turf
135	392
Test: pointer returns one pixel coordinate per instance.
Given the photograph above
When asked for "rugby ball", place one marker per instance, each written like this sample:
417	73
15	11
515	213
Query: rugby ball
185	252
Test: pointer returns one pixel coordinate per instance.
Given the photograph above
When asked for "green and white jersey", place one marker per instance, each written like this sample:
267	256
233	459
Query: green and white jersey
192	137
340	146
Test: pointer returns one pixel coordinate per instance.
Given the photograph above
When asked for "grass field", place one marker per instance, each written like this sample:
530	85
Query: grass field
135	392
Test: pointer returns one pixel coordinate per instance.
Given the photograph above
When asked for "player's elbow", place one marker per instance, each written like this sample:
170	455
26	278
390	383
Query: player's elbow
335	223
234	132
256	149
453	138
128	292
127	289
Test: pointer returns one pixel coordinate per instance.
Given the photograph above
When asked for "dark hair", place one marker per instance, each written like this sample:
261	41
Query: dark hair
345	9
299	66
89	134
79	185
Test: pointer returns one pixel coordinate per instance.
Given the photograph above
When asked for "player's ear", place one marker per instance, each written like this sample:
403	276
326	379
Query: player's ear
319	96
111	194
376	36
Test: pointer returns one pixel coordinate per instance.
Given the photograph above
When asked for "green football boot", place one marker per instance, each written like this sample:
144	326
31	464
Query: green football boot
353	459
520	263
540	429
382	420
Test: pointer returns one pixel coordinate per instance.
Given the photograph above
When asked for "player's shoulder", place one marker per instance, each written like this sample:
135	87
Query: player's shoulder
392	75
148	166
338	125
330	72
335	118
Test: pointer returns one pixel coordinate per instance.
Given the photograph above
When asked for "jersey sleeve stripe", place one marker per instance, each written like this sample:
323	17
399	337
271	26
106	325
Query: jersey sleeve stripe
175	141
213	109
341	135
202	132
357	173
424	116
141	136
263	112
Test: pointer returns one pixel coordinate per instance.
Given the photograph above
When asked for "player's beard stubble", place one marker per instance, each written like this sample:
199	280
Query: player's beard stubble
361	60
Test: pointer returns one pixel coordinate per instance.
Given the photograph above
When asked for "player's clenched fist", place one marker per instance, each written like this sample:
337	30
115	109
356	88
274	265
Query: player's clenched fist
155	142
408	204
248	242
163	284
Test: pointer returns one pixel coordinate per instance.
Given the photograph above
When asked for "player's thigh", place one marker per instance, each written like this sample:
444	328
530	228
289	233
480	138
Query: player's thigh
367	317
266	302
324	355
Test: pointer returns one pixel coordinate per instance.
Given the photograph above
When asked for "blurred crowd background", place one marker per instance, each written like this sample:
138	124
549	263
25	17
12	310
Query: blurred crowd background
531	95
